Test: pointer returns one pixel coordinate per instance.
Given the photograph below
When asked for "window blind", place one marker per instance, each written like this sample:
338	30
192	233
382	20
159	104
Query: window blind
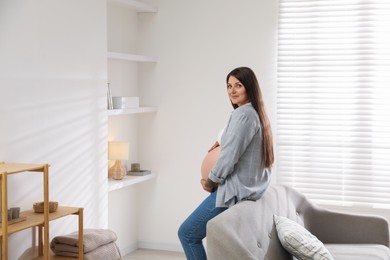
333	100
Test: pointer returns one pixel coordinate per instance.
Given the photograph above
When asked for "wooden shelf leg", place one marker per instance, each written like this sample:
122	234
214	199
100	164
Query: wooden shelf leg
40	241
46	211
4	216
81	234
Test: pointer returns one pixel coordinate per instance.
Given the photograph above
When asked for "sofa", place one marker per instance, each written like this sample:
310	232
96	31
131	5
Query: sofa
247	230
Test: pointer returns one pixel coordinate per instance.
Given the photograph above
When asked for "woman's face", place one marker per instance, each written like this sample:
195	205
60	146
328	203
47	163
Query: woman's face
236	92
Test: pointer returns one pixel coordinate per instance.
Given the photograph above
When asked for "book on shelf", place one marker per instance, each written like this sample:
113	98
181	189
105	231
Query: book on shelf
139	173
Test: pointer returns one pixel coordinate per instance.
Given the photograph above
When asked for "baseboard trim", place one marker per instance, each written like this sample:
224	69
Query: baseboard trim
160	246
128	249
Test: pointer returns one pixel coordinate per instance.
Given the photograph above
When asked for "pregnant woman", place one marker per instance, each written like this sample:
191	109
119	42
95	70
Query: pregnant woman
238	167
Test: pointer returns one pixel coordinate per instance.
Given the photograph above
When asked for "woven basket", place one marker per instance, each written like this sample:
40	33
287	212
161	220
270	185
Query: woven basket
38	206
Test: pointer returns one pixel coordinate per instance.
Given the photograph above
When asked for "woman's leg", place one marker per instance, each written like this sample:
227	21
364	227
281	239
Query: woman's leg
193	229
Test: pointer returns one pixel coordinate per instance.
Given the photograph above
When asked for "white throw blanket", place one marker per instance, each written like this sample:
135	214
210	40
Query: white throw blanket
98	244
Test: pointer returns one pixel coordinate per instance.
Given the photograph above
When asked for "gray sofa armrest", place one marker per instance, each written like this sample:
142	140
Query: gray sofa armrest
335	227
244	231
223	243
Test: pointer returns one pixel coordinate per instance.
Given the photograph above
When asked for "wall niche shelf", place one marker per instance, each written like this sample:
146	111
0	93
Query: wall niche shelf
131	63
130	57
138	6
129	111
129	181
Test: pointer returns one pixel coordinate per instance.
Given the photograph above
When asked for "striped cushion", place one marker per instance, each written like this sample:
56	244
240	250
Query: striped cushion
300	242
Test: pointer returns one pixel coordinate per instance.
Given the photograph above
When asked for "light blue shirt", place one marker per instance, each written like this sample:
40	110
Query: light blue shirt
239	170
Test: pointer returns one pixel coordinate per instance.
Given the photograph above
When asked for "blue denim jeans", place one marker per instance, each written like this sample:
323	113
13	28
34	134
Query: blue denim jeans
193	230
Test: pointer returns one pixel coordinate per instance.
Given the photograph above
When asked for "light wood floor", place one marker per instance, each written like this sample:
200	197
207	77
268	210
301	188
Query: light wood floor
148	254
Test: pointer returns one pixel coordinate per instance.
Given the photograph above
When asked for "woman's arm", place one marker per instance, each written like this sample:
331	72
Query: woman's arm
243	125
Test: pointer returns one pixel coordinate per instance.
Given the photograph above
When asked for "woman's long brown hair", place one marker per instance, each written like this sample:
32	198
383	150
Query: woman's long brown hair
248	78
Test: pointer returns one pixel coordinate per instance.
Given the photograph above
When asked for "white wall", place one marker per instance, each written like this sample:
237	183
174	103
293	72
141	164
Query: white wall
197	44
53	74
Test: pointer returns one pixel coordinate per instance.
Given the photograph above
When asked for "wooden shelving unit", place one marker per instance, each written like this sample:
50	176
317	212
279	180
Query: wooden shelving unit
32	219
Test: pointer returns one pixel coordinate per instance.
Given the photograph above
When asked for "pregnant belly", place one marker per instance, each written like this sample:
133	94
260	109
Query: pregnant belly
209	161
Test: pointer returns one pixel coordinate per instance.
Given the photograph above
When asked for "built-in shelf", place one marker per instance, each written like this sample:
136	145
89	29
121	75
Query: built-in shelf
138	6
128	181
128	111
130	57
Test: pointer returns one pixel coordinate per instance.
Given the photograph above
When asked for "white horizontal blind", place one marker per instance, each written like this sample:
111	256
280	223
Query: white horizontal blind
333	123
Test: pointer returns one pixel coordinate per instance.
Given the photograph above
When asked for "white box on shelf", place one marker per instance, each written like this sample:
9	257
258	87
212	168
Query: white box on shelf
125	102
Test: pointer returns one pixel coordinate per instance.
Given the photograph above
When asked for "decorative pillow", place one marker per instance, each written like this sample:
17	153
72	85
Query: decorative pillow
299	242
